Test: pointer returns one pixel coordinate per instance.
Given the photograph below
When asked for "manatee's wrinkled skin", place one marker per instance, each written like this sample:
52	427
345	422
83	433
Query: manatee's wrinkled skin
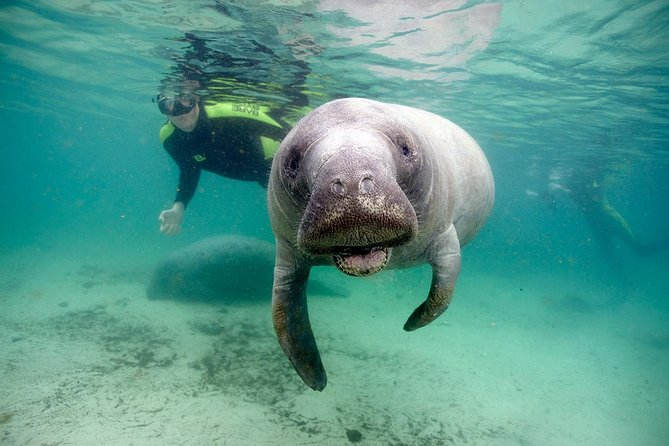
364	186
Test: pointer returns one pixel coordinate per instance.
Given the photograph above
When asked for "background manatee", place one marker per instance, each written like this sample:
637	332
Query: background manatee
226	268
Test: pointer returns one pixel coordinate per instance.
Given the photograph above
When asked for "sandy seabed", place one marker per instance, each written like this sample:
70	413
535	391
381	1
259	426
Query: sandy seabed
87	359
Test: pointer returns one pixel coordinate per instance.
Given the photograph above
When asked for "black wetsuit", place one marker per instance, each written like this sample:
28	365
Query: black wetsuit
228	146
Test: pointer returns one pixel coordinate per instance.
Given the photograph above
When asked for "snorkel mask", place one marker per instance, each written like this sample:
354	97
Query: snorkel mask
176	105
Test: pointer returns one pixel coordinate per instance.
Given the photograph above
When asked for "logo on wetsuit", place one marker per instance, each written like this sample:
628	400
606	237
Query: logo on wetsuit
251	109
199	158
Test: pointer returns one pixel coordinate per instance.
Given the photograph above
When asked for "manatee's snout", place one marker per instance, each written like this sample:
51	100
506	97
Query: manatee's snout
356	213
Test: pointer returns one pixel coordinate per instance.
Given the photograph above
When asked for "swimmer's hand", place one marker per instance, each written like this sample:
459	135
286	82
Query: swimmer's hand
170	219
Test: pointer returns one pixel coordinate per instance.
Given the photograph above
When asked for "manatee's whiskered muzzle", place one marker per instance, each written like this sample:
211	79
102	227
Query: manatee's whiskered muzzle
357	232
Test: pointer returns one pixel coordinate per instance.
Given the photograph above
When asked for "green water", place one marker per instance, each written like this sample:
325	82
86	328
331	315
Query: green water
557	334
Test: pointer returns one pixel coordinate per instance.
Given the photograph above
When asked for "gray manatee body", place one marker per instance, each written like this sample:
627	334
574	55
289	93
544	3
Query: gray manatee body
364	186
227	268
231	269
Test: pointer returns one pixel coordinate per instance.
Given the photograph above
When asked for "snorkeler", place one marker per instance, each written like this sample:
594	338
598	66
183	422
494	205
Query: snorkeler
588	192
218	117
235	140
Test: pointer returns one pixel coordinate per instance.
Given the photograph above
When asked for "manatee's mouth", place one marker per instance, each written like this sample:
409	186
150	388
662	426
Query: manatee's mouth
362	261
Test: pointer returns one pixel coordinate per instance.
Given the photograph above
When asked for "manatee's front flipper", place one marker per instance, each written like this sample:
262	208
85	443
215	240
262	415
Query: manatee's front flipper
291	318
445	270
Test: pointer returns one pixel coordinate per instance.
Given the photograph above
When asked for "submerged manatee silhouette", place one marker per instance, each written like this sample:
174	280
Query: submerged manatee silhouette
223	268
227	268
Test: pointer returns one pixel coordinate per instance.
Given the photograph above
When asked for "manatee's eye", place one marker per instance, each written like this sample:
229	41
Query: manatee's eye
405	148
292	164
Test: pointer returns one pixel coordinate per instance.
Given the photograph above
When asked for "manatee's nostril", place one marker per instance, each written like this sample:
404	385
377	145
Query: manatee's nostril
338	188
366	185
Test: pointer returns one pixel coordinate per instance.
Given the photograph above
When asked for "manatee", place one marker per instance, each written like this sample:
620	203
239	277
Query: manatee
364	186
225	269
230	268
